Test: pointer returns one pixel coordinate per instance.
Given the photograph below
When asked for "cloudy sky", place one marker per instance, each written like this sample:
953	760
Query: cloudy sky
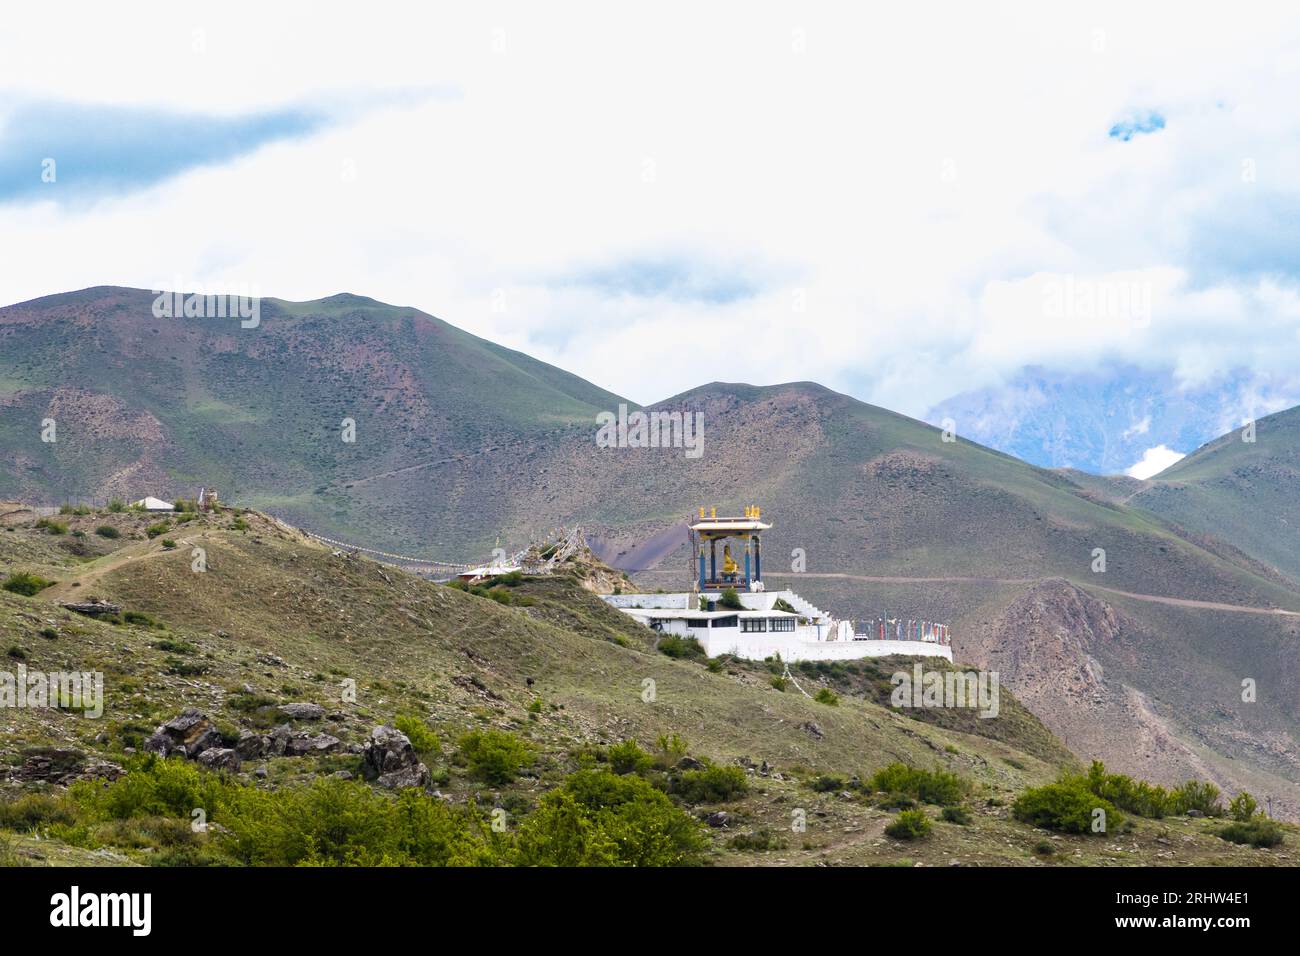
901	204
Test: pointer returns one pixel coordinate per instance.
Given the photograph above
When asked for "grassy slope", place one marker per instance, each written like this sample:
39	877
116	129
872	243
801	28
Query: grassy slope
289	620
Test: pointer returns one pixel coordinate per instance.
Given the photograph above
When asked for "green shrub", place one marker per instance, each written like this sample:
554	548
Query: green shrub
169	543
1200	796
680	647
938	786
52	527
139	618
1045	848
108	531
712	784
1133	796
760	840
423	739
958	815
239	524
827	696
156	529
495	756
628	757
17	653
597	818
910	825
116	506
174	647
34	810
1243	808
25	583
1066	806
511	579
1259	832
827	784
731	600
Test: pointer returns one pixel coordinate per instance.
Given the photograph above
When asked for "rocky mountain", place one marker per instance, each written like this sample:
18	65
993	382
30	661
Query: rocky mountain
1103	421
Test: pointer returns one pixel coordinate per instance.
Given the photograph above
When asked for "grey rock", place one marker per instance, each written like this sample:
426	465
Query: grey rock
251	745
300	745
689	763
220	758
189	733
720	819
302	711
389	759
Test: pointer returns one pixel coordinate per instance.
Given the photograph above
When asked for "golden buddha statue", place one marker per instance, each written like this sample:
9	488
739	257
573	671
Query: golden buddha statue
729	566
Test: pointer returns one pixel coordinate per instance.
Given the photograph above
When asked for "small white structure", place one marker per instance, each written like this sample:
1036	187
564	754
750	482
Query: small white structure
765	628
151	503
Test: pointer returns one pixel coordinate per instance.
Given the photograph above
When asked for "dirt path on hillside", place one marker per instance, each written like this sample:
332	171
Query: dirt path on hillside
1153	598
64	590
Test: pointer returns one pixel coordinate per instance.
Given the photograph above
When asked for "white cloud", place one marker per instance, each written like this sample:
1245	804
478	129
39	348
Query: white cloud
1154	461
920	180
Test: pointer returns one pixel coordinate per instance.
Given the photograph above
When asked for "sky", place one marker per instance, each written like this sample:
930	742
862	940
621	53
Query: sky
902	204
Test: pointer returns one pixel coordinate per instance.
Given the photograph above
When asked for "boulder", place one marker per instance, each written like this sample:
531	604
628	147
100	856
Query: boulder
220	758
389	759
301	745
302	711
251	746
188	734
720	819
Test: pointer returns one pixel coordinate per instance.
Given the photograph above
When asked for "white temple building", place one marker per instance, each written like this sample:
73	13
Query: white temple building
767	623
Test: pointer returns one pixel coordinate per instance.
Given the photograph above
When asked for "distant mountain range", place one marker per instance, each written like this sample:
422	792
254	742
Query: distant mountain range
1104	421
460	443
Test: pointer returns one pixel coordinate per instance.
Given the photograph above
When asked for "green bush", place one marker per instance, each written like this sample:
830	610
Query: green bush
712	784
1133	796
1066	806
1259	832
827	784
1243	808
930	786
34	810
731	600
827	696
52	527
958	815
680	647
156	529
25	583
116	506
599	818
495	756
108	531
760	840
424	740
1200	796
910	825
628	757
139	618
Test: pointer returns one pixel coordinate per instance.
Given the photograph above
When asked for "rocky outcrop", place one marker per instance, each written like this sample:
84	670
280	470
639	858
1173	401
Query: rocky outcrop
188	734
63	766
390	760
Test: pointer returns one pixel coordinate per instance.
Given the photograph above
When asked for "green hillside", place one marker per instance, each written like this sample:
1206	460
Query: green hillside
278	620
1247	493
